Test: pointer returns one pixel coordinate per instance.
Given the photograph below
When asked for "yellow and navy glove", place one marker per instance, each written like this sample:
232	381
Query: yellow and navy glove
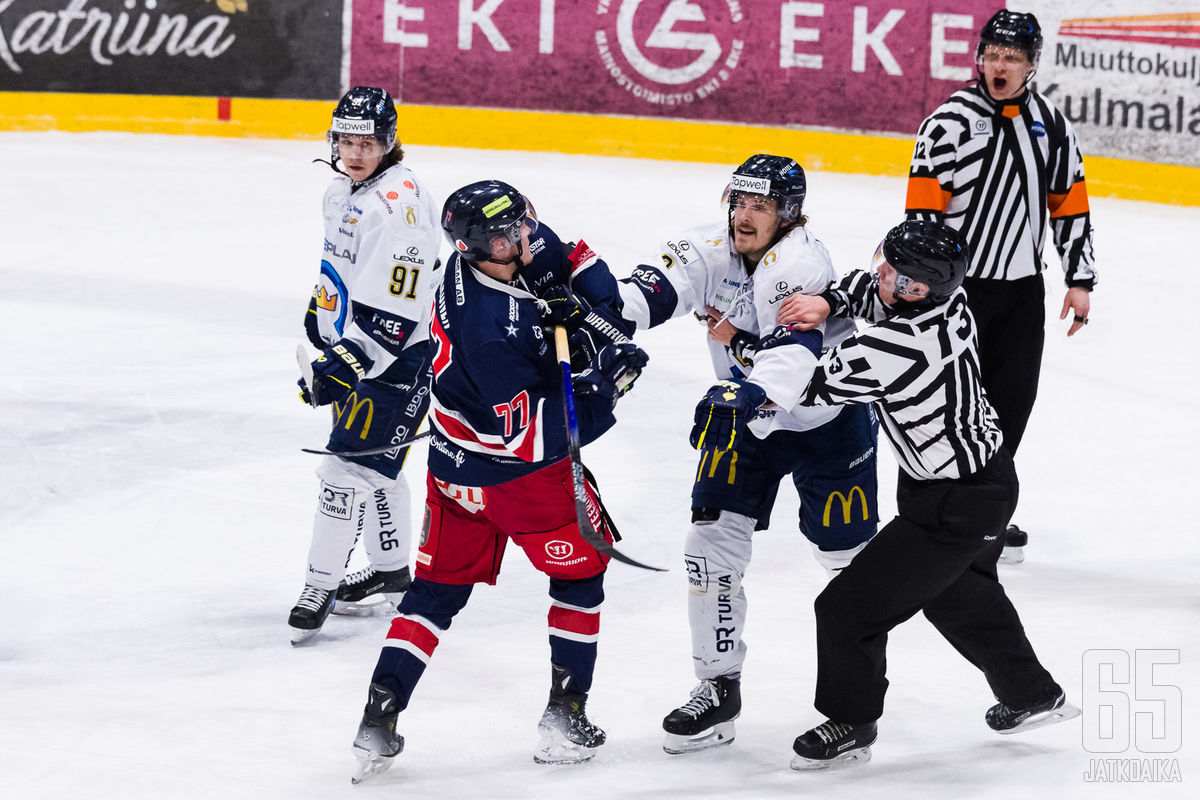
561	306
721	417
335	373
613	372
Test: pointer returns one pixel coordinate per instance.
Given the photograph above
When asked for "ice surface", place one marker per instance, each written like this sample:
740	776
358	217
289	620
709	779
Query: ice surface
157	510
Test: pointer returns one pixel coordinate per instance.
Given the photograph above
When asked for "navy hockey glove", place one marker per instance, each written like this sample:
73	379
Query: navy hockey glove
724	412
561	307
335	372
310	324
616	367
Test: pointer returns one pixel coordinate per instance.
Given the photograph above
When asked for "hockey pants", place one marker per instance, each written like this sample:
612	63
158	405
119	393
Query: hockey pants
356	500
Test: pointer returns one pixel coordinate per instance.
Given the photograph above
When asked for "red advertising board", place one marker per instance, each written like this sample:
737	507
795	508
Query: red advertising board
870	65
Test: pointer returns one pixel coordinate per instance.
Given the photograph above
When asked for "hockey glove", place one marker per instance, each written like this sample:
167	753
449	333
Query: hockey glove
335	372
310	324
616	367
724	412
561	307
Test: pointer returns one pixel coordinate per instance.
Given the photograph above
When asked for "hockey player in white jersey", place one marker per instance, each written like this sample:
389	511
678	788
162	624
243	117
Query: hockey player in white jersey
734	274
369	317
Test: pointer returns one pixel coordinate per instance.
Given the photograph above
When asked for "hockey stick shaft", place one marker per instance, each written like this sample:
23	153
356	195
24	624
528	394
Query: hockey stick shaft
374	451
306	373
579	483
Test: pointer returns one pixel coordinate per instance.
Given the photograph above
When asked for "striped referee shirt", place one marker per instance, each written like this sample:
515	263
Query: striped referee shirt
921	370
998	172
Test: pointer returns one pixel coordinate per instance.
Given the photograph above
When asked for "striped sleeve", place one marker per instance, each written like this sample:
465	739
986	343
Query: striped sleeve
1067	201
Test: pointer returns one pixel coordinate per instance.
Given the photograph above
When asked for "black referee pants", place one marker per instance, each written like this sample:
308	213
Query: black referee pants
937	556
1011	320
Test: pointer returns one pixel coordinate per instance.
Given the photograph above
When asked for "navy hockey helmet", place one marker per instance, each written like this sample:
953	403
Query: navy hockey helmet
364	111
773	176
476	215
926	251
1014	29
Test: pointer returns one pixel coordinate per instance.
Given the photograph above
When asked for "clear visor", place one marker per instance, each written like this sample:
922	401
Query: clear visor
1002	54
891	280
353	145
501	243
761	203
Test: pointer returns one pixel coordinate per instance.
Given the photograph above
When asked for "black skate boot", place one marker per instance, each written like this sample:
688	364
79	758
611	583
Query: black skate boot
384	587
567	735
1015	540
309	613
706	720
377	742
1008	719
834	745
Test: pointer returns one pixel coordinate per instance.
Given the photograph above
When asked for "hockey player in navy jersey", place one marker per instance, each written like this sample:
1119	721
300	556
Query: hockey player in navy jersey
369	317
734	274
498	465
918	364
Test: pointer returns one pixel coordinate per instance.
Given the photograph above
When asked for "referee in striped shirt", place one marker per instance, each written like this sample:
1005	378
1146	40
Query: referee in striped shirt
997	162
957	488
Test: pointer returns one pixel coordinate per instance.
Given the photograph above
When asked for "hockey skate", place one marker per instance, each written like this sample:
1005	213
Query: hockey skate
567	735
370	592
309	613
1003	719
1015	540
377	742
706	720
834	745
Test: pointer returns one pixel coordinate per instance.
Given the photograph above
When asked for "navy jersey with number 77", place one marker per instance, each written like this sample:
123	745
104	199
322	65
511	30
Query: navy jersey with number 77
497	393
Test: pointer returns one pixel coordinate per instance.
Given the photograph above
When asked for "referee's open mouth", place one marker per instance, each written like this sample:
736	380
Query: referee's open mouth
999	84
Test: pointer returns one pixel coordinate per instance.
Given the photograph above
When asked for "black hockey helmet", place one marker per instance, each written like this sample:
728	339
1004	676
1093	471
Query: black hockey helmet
1014	29
930	252
773	176
364	111
475	215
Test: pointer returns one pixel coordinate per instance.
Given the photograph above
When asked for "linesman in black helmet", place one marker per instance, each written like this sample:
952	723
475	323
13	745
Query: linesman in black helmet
917	363
998	163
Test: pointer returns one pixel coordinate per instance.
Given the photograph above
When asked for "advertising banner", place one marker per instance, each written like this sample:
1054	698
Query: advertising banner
1127	75
867	65
222	48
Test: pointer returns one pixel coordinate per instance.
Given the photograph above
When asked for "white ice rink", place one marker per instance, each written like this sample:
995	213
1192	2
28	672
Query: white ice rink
157	509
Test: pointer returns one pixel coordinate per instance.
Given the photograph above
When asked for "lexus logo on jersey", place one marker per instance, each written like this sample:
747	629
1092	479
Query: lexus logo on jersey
559	550
670	53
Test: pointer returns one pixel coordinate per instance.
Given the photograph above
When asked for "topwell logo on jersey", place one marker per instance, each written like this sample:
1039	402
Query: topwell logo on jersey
670	52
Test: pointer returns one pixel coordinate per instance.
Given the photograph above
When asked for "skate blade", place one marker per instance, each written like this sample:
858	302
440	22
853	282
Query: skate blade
369	766
853	758
300	636
1064	712
563	754
1012	556
721	734
553	750
379	608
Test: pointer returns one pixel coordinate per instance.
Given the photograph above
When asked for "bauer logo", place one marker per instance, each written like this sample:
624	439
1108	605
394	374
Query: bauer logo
356	126
336	501
559	550
746	183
